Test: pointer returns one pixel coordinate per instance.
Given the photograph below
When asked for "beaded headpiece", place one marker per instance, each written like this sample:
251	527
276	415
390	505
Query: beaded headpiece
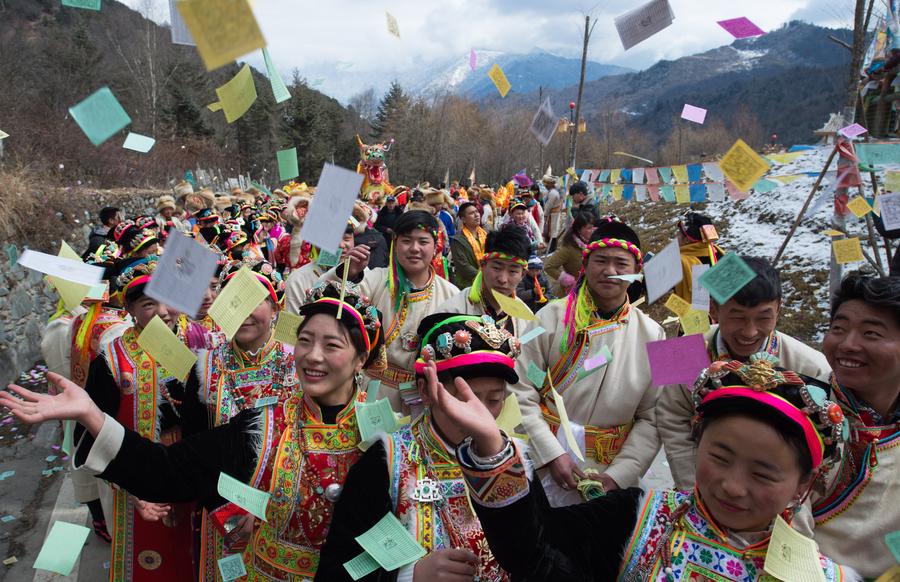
264	271
135	274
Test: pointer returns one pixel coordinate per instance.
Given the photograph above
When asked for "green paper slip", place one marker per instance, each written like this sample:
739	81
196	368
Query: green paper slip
327	260
279	89
390	544
893	543
62	548
286	328
372	390
139	143
68	436
374	418
100	116
727	277
237	301
85	4
535	375
362	565
244	496
232	567
287	164
531	335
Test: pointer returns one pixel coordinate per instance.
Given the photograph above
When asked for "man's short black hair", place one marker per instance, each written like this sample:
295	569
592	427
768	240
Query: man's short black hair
882	293
578	187
108	213
511	240
416	219
766	286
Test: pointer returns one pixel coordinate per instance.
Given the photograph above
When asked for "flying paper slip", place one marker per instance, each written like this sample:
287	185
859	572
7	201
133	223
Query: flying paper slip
847	250
663	271
232	567
743	166
392	25
279	89
175	280
166	348
360	566
223	31
792	556
374	418
62	548
499	78
636	26
58	267
543	126
331	206
288	168
890	210
513	307
727	277
84	4
695	114
180	32
678	360
236	302
236	96
100	116
287	326
741	27
244	496
139	143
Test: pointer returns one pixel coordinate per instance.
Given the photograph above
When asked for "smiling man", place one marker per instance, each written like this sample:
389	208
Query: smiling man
615	403
860	504
747	325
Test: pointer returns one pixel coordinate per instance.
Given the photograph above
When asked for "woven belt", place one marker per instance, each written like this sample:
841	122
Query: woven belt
394	375
603	444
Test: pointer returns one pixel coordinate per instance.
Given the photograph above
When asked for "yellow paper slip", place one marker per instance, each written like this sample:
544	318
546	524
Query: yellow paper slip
222	29
71	293
236	96
892	181
392	25
286	328
513	307
511	415
831	232
499	78
682	194
694	321
892	575
859	206
677	305
565	425
681	174
847	250
743	166
164	346
792	556
236	302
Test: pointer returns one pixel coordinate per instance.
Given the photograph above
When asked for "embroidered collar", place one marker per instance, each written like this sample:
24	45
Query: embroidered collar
857	408
246	359
719	350
312	412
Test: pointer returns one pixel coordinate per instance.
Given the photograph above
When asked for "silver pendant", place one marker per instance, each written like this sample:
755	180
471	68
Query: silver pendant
333	492
427	491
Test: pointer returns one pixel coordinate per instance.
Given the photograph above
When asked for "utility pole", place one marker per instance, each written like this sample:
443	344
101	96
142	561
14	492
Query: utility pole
573	147
540	145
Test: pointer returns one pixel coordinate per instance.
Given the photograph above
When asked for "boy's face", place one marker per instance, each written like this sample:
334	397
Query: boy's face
745	329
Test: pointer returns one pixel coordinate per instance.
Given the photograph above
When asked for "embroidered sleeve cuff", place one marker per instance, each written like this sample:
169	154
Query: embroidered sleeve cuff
497	486
105	447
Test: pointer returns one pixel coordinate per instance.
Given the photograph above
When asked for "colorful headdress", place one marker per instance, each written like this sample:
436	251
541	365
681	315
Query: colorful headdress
106	254
135	240
207	215
409	221
820	420
234	239
356	311
517	203
134	276
145	222
264	271
469	346
120	230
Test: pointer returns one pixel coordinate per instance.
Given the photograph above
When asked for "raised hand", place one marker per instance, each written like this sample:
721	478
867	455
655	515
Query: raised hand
359	260
465	410
70	403
151	511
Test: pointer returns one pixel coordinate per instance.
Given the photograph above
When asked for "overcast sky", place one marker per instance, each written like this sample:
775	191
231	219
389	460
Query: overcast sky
353	34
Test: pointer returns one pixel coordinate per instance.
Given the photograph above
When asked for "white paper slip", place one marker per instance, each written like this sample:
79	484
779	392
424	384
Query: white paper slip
663	272
263	402
336	192
66	269
182	277
543	126
643	22
890	210
699	293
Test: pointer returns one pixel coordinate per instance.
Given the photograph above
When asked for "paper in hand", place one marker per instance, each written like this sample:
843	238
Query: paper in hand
61	268
183	274
331	206
222	31
890	210
566	425
663	271
236	302
244	496
62	548
678	360
100	116
792	556
391	544
636	26
164	346
513	307
727	277
543	126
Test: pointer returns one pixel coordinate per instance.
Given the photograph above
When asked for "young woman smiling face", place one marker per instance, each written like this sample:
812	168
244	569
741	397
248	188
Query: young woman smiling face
327	358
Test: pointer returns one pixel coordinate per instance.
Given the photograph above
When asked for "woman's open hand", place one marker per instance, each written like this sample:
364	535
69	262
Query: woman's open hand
70	403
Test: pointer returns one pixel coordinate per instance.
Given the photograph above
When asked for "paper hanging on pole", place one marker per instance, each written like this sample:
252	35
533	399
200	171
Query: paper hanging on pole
890	210
183	273
543	126
741	27
663	271
695	114
222	31
392	25
236	96
499	78
859	206
139	143
636	26
743	166
326	221
288	167
279	89
180	33
100	116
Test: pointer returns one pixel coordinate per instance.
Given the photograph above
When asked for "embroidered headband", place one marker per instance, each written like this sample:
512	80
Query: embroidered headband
470	359
497	255
357	316
606	243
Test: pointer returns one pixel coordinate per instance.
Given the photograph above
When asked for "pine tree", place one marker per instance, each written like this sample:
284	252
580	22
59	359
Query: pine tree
391	111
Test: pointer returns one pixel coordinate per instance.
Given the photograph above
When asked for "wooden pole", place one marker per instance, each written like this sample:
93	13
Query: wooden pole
806	204
870	224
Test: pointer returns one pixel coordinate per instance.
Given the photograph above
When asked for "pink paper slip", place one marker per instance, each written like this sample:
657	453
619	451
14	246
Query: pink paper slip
695	114
741	27
854	130
678	360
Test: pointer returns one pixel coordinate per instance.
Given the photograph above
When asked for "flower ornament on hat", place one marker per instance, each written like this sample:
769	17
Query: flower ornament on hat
468	346
135	239
263	270
758	382
356	311
134	277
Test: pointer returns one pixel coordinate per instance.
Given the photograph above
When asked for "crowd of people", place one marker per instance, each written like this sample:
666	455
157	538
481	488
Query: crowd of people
412	309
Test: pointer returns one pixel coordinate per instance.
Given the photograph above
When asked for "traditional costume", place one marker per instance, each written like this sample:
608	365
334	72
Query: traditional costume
632	535
616	404
413	472
466	251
